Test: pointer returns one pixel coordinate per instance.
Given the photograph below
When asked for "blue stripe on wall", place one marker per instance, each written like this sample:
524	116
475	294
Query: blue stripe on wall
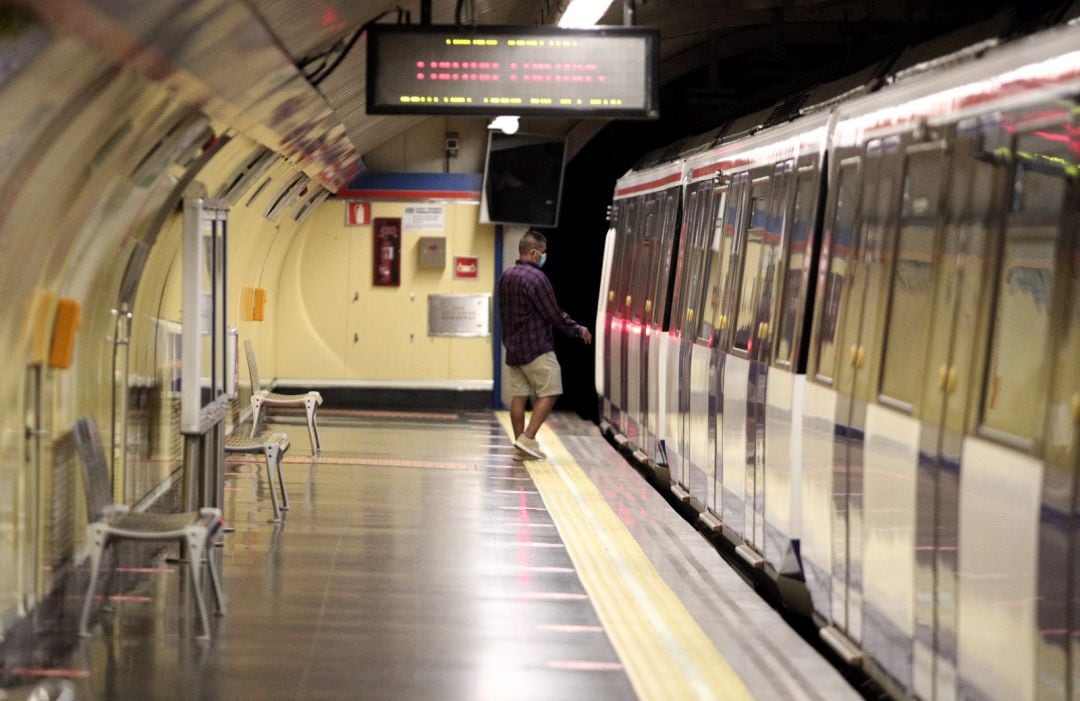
417	181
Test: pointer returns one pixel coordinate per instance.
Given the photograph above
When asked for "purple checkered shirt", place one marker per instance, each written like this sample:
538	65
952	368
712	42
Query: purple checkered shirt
528	311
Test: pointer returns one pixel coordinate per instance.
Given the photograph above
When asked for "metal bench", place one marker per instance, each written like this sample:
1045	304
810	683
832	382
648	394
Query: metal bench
193	530
273	447
311	401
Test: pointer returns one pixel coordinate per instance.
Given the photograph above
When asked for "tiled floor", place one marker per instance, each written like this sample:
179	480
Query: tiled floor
419	562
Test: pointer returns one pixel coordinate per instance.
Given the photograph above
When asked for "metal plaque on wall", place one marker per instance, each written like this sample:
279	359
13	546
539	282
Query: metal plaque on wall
459	315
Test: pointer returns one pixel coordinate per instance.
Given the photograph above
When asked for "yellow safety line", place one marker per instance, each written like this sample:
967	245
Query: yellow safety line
664	651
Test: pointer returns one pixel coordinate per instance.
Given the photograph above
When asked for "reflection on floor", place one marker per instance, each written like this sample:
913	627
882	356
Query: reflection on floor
417	562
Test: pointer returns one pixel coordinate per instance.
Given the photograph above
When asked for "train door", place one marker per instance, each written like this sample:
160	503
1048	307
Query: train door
773	241
782	463
609	404
715	327
624	245
695	354
639	293
703	353
860	352
740	483
684	316
823	548
901	437
656	307
727	237
1017	476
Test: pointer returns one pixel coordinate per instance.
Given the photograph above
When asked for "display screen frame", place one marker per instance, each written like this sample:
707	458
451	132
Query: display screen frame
486	215
378	71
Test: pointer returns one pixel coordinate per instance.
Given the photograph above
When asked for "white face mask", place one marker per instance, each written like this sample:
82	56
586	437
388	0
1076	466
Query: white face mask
543	259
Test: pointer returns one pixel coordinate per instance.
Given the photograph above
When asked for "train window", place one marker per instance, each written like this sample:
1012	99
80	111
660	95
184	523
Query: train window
726	227
840	245
773	252
667	238
700	238
682	271
626	258
714	276
1013	399
798	250
645	254
909	304
750	288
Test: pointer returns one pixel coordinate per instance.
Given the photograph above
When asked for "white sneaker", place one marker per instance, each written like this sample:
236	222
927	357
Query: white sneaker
529	446
520	455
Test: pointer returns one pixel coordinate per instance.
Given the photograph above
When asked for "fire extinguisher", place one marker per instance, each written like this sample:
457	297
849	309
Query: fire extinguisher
385	269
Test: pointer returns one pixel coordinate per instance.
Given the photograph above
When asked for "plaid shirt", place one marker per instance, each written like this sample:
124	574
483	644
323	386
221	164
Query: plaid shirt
528	311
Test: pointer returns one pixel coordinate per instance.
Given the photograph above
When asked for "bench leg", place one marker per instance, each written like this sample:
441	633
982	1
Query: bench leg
97	539
256	408
311	407
215	579
272	456
281	481
196	542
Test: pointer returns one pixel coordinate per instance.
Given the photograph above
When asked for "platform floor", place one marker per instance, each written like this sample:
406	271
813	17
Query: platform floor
418	561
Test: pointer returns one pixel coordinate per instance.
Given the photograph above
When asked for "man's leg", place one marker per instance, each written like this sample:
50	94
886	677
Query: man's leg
541	408
517	415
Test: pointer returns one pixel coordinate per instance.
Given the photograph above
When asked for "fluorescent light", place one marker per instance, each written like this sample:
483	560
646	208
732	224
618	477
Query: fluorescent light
584	13
507	124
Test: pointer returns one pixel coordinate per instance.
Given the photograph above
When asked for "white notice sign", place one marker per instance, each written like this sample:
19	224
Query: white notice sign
429	217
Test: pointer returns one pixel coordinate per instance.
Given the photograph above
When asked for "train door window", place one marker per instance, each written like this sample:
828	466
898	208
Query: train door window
1012	403
714	281
750	284
700	255
840	252
626	265
909	303
727	226
773	250
667	238
680	308
646	253
806	195
618	255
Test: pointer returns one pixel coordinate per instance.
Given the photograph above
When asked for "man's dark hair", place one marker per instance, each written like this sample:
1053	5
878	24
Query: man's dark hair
530	240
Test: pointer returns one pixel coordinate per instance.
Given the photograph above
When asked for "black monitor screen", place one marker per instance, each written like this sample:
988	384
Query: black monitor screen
523	178
491	70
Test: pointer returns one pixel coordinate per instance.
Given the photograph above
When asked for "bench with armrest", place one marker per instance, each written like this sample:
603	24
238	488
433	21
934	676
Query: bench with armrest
193	530
311	401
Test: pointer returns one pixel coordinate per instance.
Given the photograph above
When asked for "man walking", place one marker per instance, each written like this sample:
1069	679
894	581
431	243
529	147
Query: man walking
528	311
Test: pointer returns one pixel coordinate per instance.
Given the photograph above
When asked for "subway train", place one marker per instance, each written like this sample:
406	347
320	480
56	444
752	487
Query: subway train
850	341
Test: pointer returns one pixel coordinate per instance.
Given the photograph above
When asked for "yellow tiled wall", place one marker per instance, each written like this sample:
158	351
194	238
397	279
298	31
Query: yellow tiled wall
333	323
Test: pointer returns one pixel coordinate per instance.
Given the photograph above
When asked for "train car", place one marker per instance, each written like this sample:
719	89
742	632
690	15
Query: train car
872	376
632	320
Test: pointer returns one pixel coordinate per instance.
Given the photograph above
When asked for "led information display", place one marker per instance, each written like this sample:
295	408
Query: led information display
490	70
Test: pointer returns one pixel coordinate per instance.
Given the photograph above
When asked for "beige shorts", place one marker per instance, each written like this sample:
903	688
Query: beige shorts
541	376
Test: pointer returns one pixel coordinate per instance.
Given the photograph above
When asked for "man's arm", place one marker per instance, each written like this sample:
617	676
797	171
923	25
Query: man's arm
548	308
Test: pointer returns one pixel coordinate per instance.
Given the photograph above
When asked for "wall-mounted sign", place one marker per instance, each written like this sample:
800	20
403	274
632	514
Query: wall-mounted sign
466	267
386	255
424	218
459	315
357	213
490	70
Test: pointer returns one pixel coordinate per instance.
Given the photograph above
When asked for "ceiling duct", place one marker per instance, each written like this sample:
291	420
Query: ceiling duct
288	196
305	209
246	175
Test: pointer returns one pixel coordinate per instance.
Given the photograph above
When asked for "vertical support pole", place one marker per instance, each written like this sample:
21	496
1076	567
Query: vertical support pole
628	11
496	335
